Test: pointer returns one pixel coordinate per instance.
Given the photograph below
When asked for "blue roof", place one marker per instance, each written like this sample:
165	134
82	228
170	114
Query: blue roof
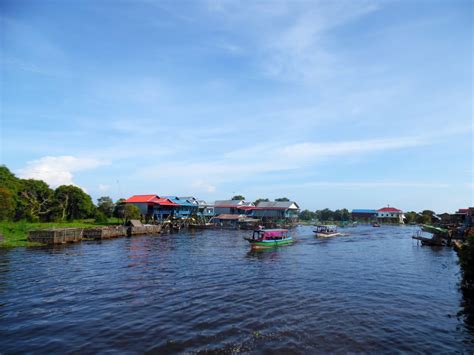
364	211
180	201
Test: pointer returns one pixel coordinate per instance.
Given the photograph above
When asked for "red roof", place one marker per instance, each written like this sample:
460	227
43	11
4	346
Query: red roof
389	209
141	198
154	199
165	202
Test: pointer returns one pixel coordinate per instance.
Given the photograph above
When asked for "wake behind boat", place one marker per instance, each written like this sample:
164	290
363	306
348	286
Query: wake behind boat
269	238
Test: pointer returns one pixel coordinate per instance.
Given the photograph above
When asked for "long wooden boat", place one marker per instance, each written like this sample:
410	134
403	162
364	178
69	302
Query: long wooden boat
326	231
269	238
434	230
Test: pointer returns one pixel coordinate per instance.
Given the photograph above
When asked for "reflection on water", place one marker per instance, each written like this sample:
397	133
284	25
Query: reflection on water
373	290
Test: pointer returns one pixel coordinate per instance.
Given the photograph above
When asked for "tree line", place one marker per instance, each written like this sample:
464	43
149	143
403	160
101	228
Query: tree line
34	201
424	217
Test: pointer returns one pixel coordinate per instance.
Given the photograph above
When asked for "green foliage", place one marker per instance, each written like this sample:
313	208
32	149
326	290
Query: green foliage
238	197
35	201
105	205
100	217
131	212
260	200
71	202
325	215
119	208
307	215
7	204
282	199
466	260
8	180
411	217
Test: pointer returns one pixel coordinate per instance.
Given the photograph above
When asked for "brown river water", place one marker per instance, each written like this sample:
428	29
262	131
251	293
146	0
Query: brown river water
374	290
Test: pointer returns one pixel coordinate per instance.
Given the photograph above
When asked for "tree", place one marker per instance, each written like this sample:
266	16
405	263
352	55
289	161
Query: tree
7	204
325	215
307	215
260	200
119	208
411	217
72	202
35	200
131	212
105	205
238	198
8	180
282	199
345	214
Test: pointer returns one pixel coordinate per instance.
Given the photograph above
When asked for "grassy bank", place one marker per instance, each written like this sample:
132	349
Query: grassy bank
16	233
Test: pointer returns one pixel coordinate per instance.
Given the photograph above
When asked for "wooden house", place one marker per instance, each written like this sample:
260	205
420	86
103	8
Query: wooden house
276	210
186	207
390	215
232	207
365	215
153	206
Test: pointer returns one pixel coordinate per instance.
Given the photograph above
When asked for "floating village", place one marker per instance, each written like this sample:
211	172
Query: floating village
270	222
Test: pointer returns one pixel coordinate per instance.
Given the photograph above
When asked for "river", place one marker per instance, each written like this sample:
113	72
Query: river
374	290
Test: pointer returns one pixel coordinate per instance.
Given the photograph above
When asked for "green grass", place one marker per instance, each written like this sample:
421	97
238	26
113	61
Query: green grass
16	233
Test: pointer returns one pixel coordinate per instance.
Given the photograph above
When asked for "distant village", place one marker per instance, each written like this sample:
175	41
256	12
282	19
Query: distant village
281	212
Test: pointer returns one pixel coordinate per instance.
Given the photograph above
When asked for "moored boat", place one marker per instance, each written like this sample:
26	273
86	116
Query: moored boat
375	224
269	238
326	231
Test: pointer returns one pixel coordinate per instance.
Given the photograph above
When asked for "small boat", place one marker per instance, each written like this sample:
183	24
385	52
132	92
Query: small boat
269	238
201	225
326	231
375	225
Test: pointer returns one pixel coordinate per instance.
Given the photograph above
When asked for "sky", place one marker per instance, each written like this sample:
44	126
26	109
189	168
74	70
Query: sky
337	104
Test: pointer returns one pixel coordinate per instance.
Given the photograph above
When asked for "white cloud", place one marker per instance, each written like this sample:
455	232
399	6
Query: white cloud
201	185
58	170
104	188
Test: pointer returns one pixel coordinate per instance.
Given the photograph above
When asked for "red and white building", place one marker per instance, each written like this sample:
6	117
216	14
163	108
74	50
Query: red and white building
390	215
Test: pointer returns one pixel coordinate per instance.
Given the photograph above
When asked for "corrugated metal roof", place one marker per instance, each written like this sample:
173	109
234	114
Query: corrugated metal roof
364	211
227	203
389	209
177	200
141	198
277	205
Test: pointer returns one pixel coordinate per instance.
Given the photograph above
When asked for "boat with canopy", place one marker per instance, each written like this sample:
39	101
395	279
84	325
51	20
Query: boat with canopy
269	238
326	231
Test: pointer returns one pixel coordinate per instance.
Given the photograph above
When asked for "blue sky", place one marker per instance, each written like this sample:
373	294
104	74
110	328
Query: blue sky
354	104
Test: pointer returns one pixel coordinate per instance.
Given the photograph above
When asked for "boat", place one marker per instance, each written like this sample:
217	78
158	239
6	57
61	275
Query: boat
434	230
375	225
269	238
326	231
201	225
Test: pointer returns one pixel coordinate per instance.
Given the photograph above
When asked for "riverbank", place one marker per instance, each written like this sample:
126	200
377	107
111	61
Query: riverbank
15	234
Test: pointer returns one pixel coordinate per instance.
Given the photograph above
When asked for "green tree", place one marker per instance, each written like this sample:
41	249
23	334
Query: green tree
466	260
282	199
35	201
131	212
326	215
8	180
7	204
345	214
411	217
307	215
337	215
260	200
72	202
119	208
238	197
105	205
